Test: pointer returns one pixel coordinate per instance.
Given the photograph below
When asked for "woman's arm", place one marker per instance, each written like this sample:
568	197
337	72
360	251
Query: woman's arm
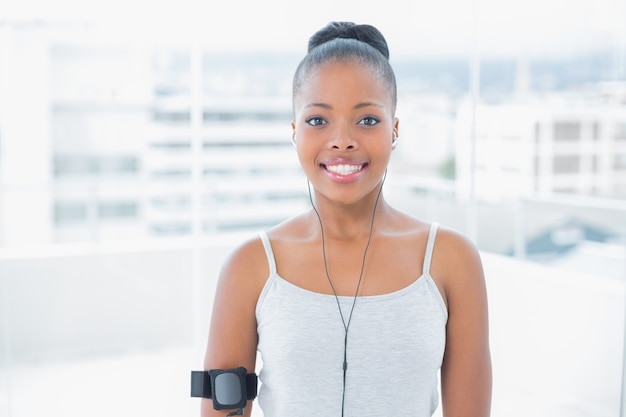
233	336
466	370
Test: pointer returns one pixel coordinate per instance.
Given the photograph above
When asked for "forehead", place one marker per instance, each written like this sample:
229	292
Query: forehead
339	80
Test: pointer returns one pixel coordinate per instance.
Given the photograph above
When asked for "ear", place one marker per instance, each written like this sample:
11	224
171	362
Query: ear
394	134
293	133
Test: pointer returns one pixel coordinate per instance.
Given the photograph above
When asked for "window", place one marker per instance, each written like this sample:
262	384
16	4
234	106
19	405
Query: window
119	211
566	164
66	213
238	116
566	131
620	162
620	131
537	132
94	165
172	116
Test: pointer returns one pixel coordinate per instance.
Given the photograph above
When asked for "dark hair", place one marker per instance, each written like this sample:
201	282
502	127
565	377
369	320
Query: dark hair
348	42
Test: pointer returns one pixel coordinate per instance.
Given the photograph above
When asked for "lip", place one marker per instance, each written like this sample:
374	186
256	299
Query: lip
343	170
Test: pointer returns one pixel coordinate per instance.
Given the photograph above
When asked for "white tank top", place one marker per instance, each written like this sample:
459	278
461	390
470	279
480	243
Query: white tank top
395	349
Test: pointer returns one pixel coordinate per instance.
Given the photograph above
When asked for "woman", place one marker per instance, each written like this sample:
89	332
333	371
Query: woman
354	306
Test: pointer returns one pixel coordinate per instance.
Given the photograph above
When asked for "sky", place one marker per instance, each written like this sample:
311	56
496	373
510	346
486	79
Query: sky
429	27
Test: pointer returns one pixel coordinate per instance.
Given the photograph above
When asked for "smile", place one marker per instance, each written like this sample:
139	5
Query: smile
344	169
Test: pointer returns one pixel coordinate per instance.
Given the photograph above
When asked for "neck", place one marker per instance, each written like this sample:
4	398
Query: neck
348	222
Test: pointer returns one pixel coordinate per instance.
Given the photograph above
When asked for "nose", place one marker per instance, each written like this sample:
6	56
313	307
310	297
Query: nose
343	139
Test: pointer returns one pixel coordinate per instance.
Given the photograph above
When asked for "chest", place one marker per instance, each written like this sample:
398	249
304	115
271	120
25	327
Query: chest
407	326
380	268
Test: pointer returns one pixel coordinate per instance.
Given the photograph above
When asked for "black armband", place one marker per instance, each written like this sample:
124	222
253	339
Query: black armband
229	388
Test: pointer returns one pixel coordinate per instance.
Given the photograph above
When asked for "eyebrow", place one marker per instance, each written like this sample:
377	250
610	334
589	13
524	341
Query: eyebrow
356	107
367	104
322	105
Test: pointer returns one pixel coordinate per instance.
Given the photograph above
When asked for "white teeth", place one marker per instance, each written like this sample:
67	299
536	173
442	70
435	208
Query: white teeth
344	169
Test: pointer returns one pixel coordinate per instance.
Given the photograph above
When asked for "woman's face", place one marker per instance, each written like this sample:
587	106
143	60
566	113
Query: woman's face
343	128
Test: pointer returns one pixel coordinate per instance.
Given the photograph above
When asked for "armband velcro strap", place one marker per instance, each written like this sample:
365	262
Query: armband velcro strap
201	384
251	386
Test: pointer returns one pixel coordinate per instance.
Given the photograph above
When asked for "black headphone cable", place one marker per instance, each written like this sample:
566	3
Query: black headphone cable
346	326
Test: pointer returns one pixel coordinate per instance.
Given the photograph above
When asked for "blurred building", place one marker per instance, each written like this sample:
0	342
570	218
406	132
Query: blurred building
105	140
567	143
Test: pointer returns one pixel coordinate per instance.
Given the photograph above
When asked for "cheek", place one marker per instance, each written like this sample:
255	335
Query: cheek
305	152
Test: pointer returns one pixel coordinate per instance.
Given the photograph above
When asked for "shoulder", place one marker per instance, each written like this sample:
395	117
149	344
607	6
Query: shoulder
246	267
456	263
459	250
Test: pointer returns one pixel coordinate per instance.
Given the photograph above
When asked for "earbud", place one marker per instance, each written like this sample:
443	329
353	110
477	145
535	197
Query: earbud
394	141
293	141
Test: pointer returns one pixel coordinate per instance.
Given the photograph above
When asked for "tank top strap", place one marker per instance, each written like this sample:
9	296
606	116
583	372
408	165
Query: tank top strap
271	261
429	247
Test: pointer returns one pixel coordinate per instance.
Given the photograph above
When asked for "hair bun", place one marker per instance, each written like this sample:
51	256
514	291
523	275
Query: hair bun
348	30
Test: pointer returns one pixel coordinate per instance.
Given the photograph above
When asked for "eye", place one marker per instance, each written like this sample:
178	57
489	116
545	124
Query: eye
369	121
316	121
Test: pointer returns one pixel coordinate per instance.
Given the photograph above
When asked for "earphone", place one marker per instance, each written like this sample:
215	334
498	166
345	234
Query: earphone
346	325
